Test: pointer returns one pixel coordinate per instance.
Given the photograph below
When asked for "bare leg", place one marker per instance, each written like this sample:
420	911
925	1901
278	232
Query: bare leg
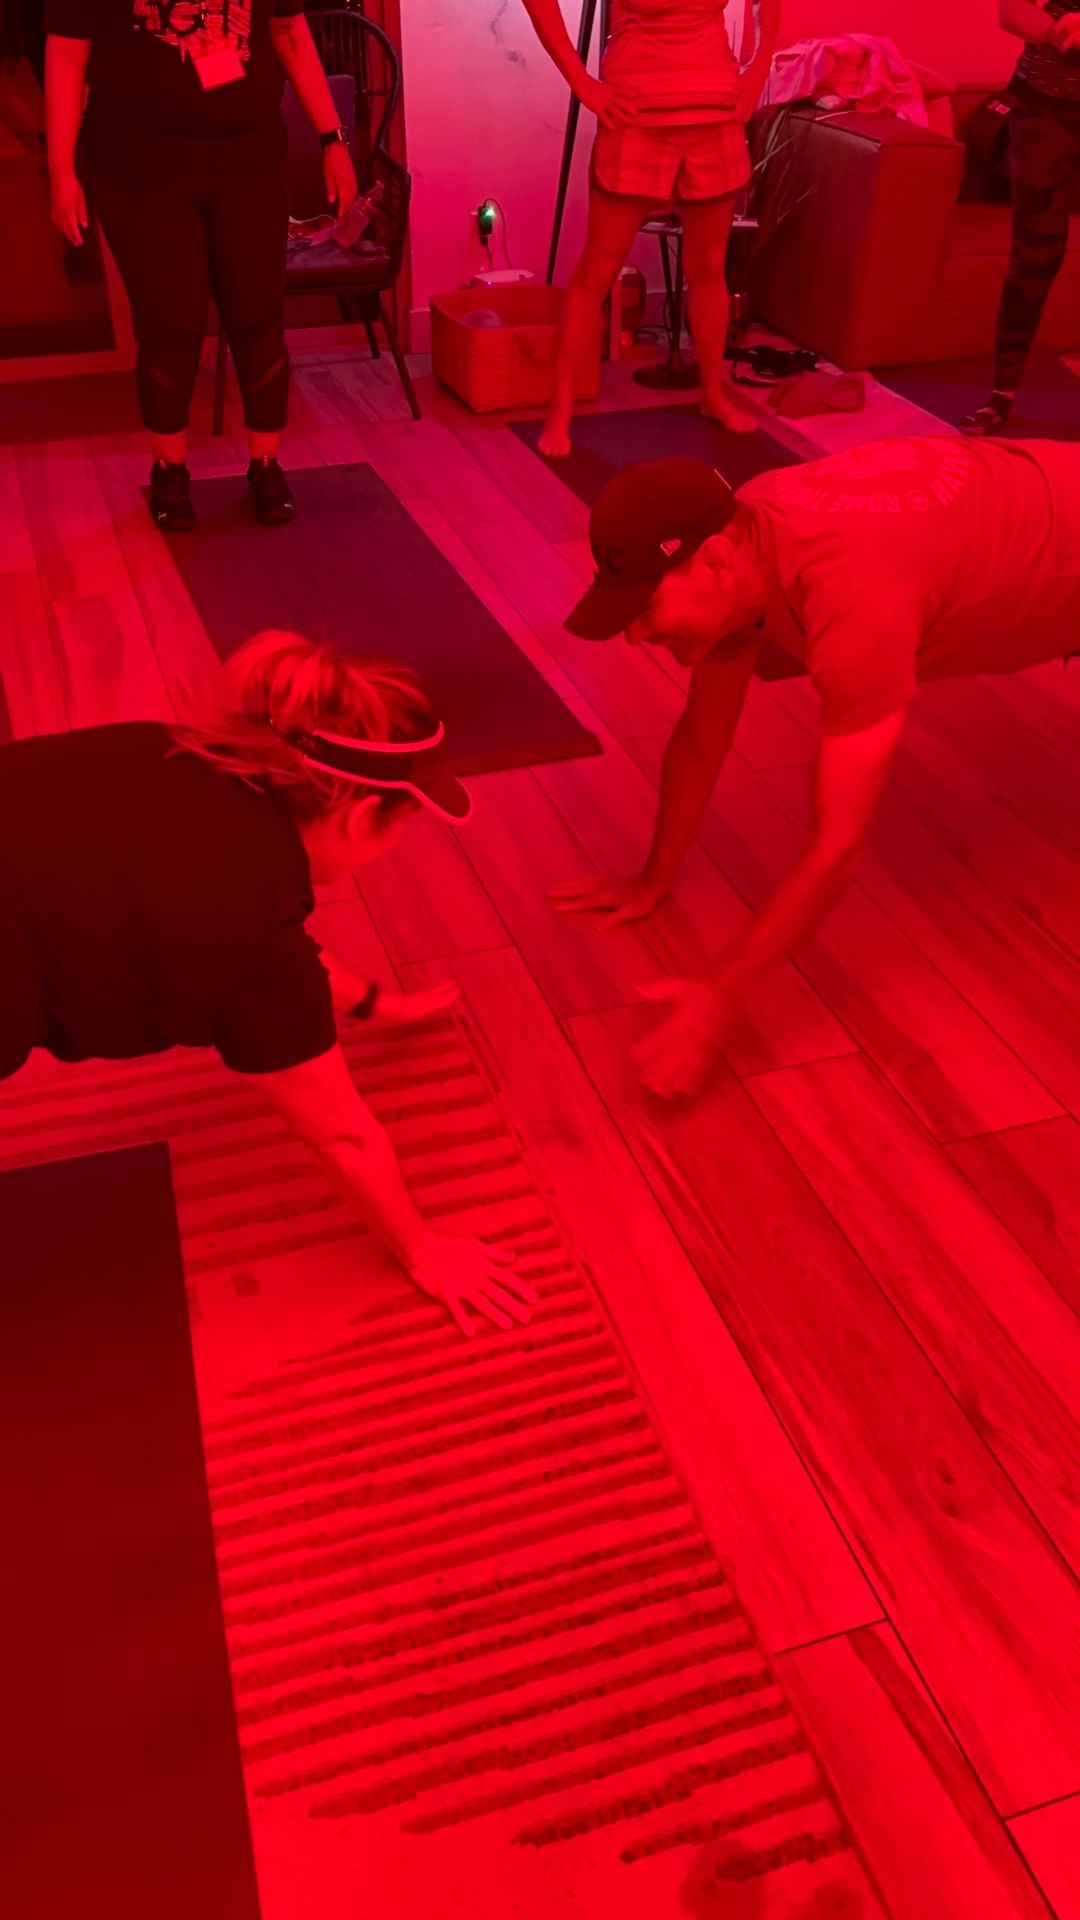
263	446
170	447
614	222
706	229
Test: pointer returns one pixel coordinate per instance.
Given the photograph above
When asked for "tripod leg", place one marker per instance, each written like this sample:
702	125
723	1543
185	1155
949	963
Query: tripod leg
588	15
677	303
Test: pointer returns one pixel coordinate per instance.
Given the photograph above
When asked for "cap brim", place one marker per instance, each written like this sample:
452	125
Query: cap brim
605	612
444	794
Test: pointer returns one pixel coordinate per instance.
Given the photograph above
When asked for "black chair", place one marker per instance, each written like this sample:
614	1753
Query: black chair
365	80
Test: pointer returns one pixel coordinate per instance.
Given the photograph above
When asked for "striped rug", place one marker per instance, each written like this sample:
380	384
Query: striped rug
485	1660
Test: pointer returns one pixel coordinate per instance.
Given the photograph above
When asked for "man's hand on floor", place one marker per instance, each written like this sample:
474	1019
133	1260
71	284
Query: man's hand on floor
676	1057
621	900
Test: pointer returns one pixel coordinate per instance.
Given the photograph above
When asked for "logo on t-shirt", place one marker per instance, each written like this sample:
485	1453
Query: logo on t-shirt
198	28
889	476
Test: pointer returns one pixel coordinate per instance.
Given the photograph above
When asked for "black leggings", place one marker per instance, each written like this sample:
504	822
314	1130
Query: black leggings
176	240
1044	154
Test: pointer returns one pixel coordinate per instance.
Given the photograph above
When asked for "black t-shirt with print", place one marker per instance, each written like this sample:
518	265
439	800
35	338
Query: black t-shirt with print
149	901
146	100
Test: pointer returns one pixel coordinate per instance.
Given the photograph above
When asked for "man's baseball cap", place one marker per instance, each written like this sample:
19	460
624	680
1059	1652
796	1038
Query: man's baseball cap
648	519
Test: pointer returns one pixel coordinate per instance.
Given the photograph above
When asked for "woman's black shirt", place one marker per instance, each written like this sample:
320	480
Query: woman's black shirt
148	111
149	901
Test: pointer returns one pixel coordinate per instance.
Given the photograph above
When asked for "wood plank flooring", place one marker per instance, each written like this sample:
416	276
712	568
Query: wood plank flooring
850	1276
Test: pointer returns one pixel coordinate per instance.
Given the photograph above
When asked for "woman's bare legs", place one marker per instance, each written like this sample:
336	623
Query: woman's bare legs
706	230
614	223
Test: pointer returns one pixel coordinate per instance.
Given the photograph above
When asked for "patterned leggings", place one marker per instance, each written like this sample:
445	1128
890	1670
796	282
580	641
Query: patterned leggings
1044	156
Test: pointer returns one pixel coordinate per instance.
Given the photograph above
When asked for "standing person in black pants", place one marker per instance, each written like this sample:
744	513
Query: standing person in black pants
1044	159
182	155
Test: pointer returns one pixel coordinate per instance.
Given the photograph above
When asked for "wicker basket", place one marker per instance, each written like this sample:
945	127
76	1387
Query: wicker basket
496	368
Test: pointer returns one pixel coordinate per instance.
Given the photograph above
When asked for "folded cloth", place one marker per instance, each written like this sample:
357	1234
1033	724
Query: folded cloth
820	392
866	71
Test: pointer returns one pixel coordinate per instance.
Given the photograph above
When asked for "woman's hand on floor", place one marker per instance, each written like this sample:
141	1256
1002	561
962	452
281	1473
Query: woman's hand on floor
409	1009
68	206
612	107
472	1279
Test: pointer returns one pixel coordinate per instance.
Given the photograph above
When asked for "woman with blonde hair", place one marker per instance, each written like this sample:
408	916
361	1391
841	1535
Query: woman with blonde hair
671	105
155	882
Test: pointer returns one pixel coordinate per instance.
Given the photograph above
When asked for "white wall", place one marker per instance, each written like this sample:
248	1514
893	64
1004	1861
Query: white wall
486	111
485	114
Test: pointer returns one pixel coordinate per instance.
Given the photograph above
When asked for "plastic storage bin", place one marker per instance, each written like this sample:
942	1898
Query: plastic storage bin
496	368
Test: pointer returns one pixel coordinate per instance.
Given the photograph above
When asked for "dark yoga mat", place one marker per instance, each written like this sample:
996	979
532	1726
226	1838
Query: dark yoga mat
1047	406
356	570
124	1796
605	442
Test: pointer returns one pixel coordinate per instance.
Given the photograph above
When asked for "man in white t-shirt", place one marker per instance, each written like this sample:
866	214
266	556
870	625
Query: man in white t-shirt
876	569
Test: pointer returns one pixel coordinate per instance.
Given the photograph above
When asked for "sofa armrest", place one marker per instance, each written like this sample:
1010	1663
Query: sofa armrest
855	210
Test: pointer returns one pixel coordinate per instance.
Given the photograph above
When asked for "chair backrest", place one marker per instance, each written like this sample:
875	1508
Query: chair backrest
349	44
307	192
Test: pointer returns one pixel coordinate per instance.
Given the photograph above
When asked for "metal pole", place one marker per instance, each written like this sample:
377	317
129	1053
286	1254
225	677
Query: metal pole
584	44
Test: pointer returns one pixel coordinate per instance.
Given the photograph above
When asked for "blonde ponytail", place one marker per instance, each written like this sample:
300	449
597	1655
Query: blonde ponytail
279	685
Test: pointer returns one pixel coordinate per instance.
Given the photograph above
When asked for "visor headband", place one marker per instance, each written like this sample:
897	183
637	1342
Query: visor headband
373	763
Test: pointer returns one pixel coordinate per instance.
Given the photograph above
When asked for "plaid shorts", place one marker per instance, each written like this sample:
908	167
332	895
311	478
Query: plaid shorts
667	165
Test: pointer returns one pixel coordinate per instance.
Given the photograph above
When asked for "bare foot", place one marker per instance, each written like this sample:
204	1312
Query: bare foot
728	410
554	441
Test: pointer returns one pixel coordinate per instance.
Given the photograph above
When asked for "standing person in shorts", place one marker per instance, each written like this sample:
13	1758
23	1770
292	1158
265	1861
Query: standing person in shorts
1044	161
672	106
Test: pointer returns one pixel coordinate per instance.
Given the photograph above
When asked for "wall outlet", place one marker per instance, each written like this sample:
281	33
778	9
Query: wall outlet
485	221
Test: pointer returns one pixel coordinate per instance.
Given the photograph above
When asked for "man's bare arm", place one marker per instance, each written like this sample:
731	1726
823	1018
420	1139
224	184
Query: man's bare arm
694	759
695	754
851	773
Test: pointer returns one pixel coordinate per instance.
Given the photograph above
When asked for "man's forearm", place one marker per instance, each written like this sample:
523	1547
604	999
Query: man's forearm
687	780
299	56
1027	21
801	900
65	94
363	1169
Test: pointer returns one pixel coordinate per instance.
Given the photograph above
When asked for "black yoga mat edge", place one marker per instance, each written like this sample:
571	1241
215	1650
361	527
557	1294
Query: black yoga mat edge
128	1799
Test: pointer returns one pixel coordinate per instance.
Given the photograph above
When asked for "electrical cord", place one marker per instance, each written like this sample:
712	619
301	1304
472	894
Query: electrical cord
490	201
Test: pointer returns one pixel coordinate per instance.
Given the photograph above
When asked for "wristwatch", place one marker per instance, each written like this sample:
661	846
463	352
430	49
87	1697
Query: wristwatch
337	137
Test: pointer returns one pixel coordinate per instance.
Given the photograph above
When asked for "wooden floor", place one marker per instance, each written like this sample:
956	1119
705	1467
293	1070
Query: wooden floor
850	1275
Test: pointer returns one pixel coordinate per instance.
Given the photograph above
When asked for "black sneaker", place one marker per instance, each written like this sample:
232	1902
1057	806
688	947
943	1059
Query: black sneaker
170	496
988	419
271	493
